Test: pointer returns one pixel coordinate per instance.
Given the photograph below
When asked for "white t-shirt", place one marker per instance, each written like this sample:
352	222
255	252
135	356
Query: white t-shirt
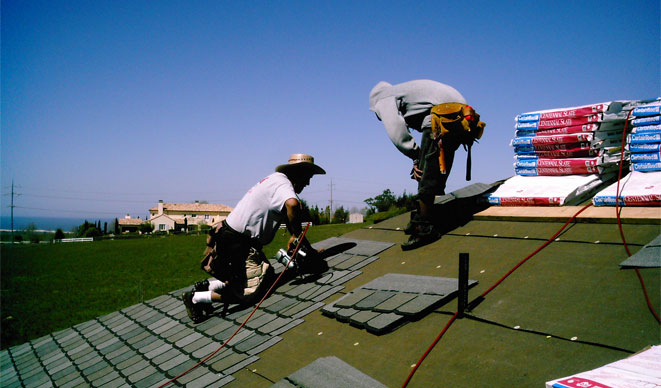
260	212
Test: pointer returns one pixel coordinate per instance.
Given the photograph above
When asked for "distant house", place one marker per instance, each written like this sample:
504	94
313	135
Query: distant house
355	218
179	216
128	224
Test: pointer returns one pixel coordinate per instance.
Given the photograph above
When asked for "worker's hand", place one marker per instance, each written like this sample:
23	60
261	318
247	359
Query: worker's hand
290	244
416	173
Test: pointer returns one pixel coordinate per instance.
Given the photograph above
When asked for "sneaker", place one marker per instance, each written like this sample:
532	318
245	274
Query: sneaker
194	310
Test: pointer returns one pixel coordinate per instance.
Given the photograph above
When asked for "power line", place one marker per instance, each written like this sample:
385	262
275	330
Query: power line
66	210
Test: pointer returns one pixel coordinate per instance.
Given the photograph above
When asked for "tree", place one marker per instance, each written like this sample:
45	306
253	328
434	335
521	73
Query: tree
381	202
340	216
30	229
116	231
310	214
59	234
407	201
105	227
88	230
146	227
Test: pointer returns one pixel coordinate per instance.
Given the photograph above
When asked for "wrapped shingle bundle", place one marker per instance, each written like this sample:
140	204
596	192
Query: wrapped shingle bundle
569	141
644	142
548	190
636	189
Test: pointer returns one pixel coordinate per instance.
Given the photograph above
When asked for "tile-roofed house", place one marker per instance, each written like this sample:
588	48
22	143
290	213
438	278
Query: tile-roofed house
128	224
170	216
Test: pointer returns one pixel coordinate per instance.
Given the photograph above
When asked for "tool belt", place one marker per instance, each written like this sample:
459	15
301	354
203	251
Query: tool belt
238	243
459	122
234	257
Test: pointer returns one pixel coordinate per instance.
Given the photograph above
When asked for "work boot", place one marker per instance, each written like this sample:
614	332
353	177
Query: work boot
201	286
427	234
412	225
194	311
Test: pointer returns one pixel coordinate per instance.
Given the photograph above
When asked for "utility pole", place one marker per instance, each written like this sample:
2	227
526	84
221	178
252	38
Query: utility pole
12	211
330	210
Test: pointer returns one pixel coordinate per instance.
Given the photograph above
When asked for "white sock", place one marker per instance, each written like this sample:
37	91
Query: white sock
216	285
202	297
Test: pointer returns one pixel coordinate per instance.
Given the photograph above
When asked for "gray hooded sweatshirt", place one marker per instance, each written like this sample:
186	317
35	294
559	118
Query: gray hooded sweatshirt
394	103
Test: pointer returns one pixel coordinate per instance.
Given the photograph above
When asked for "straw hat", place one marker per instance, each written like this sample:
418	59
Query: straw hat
302	162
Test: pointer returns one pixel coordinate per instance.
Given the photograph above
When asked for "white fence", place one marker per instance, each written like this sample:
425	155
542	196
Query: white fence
303	225
80	239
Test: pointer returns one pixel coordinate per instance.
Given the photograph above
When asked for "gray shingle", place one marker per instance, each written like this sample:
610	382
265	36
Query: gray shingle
153	380
383	323
361	317
219	326
353	297
329	310
352	261
344	314
178	365
251	342
118	359
419	304
276	323
331	372
326	293
197	344
287	327
375	299
264	345
166	356
210	380
391	304
648	256
281	305
172	367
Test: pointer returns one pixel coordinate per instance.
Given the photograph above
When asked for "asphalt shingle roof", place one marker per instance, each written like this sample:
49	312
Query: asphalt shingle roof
568	309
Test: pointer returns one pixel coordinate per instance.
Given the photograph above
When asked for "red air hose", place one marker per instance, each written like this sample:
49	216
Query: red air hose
447	326
415	368
300	240
617	196
619	222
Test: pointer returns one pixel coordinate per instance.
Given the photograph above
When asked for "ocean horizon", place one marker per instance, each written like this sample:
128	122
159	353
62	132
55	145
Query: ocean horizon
67	224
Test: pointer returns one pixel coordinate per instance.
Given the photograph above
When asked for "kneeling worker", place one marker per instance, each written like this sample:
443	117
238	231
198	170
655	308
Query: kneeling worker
440	112
234	254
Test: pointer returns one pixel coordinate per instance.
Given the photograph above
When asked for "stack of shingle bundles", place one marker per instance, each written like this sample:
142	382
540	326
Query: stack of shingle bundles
569	141
642	186
645	139
563	156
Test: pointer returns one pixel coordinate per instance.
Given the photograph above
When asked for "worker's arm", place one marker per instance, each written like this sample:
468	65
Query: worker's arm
294	220
398	132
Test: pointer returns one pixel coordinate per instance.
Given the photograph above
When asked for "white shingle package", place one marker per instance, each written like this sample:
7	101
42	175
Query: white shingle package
643	369
635	189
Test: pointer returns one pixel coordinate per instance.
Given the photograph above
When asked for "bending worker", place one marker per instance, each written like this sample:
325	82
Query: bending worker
440	112
234	254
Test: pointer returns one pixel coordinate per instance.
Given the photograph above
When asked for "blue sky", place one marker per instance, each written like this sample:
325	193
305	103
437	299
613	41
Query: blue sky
110	106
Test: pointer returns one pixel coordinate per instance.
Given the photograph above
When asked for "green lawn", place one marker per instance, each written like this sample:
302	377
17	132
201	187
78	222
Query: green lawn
49	287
